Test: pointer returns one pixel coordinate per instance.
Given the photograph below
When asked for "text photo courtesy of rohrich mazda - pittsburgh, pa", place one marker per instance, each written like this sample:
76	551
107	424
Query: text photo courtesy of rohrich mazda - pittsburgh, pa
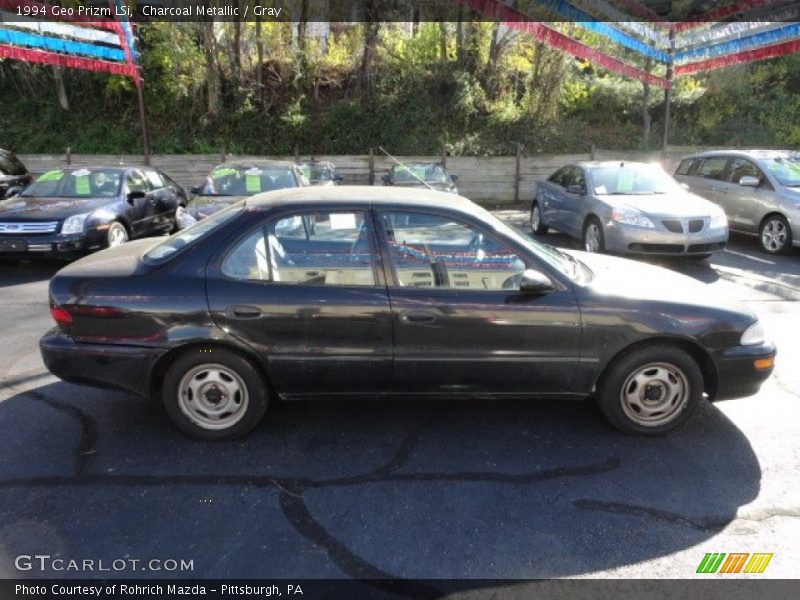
372	300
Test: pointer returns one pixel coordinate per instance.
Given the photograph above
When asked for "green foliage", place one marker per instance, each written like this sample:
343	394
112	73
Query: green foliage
424	92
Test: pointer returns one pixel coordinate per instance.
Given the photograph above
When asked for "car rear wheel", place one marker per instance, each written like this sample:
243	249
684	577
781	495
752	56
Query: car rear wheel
537	226
775	235
116	234
651	391
593	238
214	394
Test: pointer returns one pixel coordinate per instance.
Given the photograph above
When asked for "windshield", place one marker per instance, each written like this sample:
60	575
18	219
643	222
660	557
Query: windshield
786	169
317	172
413	173
247	180
558	260
632	179
193	233
77	183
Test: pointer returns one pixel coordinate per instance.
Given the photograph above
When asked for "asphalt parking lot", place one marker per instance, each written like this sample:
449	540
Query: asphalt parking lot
402	489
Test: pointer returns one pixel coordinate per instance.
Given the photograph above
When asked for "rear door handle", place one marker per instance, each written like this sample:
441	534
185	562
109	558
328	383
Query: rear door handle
243	311
417	317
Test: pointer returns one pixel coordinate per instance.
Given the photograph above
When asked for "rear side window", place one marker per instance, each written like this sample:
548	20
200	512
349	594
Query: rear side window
686	166
314	248
712	168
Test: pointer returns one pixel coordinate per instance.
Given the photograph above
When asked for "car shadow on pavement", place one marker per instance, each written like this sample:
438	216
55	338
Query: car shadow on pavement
384	489
18	273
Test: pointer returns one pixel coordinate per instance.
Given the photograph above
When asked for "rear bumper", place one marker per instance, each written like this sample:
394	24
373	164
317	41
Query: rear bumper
99	365
737	375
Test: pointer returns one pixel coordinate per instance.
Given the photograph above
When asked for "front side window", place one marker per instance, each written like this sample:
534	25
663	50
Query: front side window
560	177
313	248
136	182
434	251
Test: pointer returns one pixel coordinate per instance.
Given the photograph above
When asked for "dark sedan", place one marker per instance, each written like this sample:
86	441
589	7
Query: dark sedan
342	292
230	182
14	176
68	212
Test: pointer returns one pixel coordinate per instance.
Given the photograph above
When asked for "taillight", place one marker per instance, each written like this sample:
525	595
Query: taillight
61	316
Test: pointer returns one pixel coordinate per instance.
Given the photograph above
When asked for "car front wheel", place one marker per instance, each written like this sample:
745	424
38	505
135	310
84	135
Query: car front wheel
593	238
117	234
651	391
214	394
775	235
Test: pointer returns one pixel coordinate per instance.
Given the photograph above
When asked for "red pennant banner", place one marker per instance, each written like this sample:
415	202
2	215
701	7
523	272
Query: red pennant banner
739	58
71	62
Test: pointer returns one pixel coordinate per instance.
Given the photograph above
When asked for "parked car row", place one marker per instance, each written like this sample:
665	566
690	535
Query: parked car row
68	212
637	208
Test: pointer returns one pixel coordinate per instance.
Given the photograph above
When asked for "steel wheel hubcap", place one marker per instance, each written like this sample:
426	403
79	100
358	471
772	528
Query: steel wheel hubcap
654	394
536	218
117	236
213	396
773	235
592	238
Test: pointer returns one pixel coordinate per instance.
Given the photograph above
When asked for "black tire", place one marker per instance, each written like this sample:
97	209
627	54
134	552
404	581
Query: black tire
116	232
769	235
541	229
251	406
675	363
594	221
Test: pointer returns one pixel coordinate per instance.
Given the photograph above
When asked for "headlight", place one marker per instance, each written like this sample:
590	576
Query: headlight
629	217
753	335
74	224
719	220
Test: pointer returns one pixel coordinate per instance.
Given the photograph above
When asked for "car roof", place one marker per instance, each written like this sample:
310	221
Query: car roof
362	194
749	153
609	163
256	163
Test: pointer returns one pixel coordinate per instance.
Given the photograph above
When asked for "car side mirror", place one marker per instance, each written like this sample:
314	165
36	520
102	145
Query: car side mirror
453	178
576	189
749	181
133	196
534	282
196	189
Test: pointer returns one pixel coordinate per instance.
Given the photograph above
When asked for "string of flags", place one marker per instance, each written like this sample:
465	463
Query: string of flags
626	28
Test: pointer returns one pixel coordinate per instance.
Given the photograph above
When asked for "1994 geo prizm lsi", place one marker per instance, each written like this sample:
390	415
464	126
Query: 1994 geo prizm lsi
389	292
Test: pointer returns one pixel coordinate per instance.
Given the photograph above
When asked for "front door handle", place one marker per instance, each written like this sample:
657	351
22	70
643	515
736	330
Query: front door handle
417	317
243	311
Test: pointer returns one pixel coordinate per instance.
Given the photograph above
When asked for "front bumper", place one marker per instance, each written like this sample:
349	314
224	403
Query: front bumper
99	365
737	375
49	245
629	239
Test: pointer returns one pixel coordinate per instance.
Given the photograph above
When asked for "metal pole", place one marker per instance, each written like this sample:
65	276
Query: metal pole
143	118
668	97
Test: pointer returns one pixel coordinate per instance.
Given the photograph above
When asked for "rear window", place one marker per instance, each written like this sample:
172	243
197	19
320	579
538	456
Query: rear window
192	234
685	166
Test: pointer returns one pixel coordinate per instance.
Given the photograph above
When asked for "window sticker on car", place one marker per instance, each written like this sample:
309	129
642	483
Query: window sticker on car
625	180
222	172
82	186
51	176
252	183
343	221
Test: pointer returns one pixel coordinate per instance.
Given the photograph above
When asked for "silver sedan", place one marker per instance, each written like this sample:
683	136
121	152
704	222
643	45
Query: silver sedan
628	208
